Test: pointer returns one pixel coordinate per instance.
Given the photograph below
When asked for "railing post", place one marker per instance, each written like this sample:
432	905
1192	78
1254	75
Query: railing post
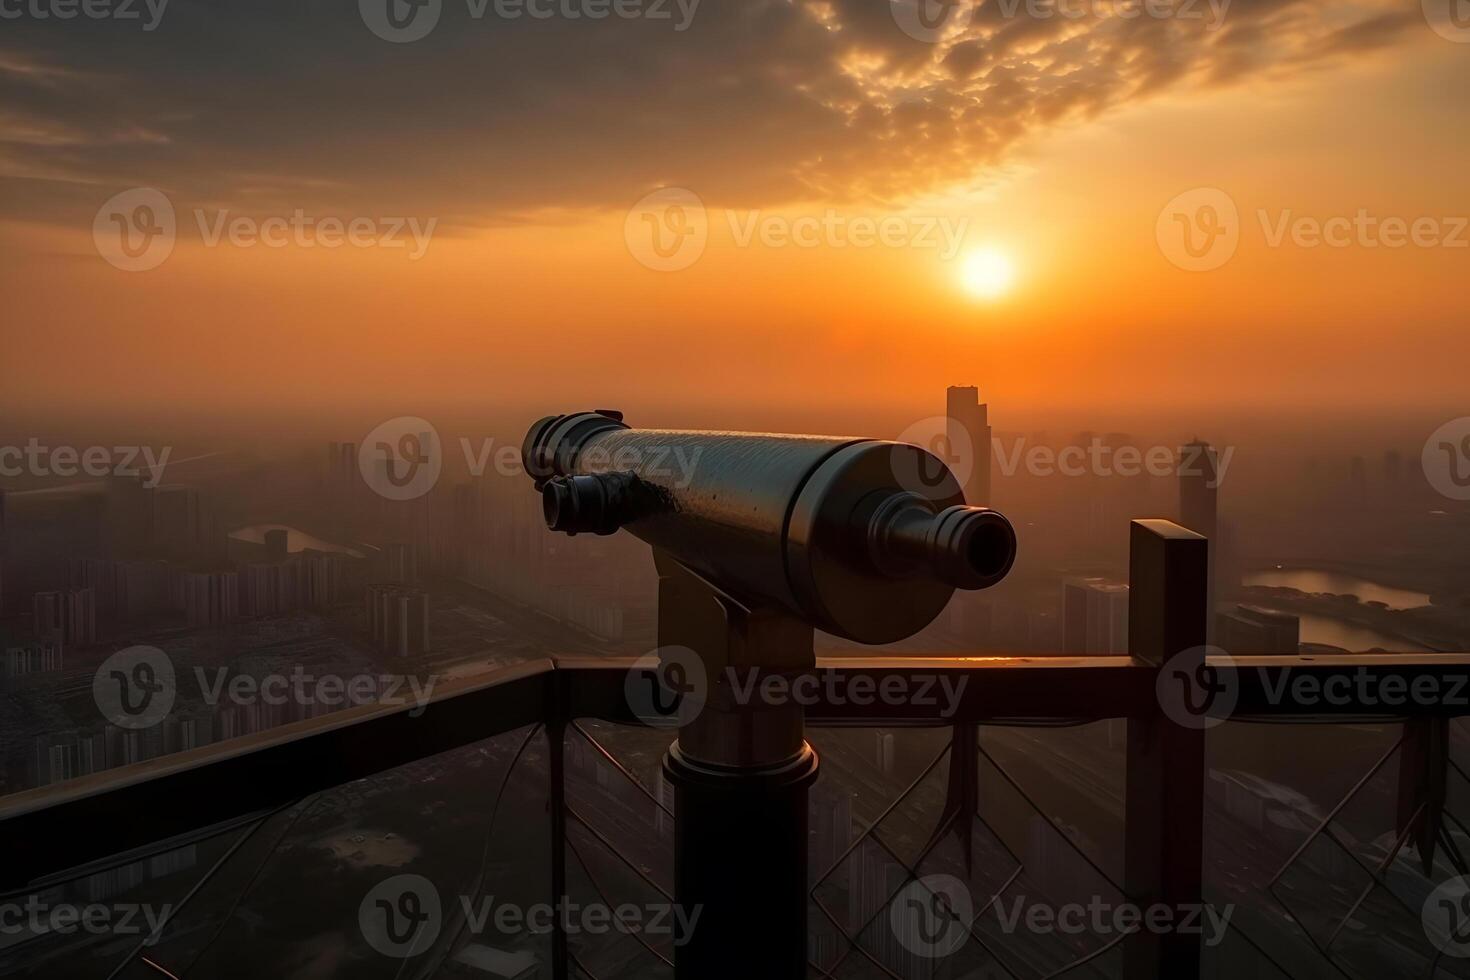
556	745
1423	771
1164	825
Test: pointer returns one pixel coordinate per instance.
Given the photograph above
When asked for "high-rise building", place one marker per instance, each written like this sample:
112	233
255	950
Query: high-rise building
398	619
400	563
125	590
62	757
323	577
211	598
1199	486
141	588
29	655
271	588
969	426
1393	473
1094	617
341	471
178	520
68	617
127	515
98	574
1358	480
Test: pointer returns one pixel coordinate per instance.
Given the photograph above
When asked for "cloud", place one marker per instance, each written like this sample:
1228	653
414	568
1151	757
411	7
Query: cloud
295	103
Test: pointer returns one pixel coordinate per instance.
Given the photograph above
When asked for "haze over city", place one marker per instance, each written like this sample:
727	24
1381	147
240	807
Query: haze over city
925	489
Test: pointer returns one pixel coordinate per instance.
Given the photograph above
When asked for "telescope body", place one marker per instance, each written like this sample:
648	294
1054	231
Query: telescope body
861	538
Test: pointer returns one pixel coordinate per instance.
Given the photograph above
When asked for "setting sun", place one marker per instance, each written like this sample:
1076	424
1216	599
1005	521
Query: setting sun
987	273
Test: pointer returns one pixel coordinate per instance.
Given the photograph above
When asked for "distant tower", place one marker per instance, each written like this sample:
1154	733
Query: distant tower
967	414
1358	477
2	552
1094	616
1393	476
128	515
1199	487
177	520
68	617
398	619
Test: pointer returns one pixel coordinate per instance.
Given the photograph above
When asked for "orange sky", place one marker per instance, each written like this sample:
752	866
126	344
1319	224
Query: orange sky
549	293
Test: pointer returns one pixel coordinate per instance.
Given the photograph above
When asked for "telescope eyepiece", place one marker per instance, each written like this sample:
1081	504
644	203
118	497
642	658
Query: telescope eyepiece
966	547
552	445
599	504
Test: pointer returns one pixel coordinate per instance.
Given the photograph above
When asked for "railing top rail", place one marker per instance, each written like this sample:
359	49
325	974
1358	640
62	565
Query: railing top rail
73	823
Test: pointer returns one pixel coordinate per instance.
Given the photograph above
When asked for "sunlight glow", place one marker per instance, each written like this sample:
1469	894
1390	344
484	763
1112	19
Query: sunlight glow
987	273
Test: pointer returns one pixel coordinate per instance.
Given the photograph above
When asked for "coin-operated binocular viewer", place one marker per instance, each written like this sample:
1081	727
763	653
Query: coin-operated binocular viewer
759	540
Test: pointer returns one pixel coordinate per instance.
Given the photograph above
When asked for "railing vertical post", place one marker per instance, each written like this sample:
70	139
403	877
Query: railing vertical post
1423	775
556	742
1164	826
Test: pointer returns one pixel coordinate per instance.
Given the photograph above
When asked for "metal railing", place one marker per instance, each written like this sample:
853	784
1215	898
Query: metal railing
58	833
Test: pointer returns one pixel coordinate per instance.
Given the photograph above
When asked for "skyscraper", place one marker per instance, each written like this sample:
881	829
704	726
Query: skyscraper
69	617
969	431
1199	486
1094	616
211	598
128	516
398	619
178	521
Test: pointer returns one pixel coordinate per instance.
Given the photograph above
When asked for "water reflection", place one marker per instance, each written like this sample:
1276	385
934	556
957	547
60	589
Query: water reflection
1312	580
1338	633
295	540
